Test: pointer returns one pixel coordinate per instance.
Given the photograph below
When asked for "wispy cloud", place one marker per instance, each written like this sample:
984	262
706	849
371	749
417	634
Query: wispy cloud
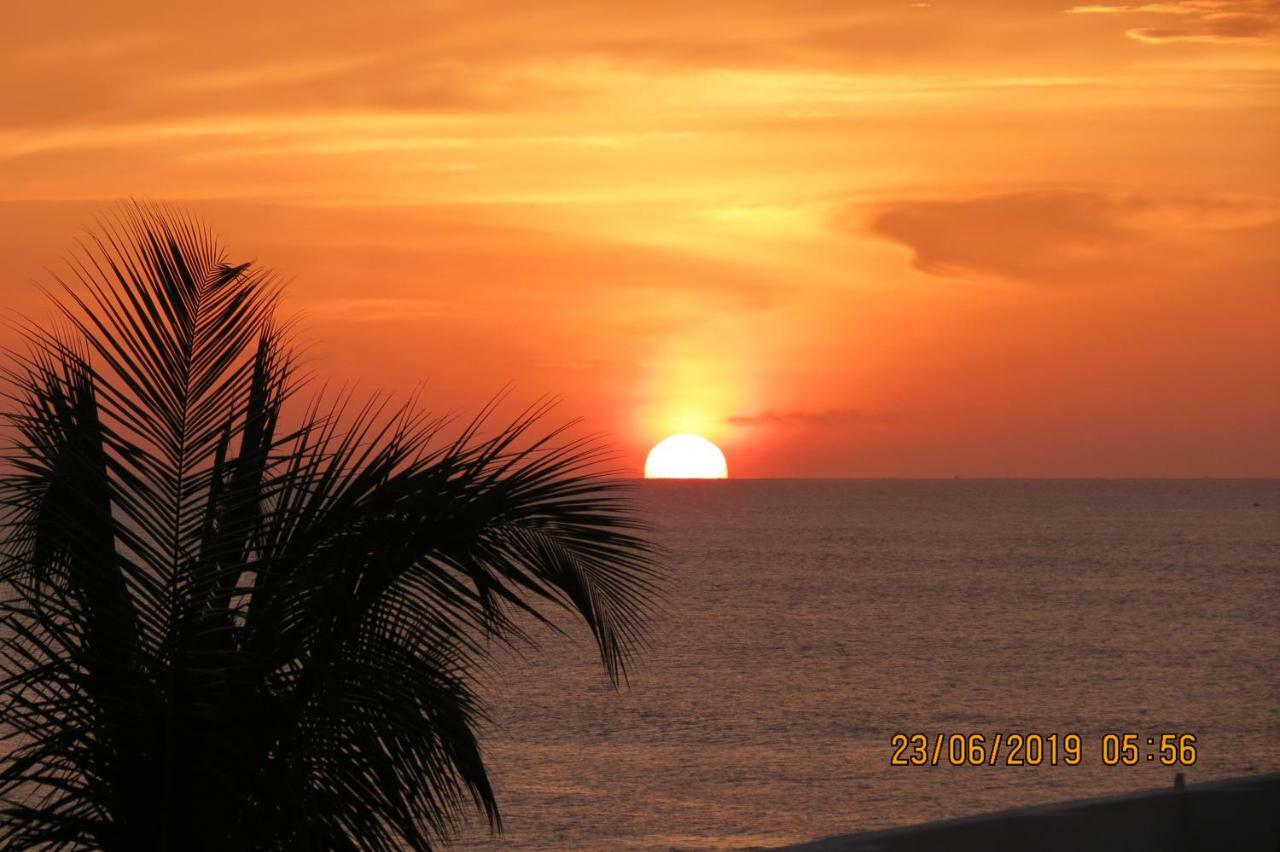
1213	21
831	417
377	309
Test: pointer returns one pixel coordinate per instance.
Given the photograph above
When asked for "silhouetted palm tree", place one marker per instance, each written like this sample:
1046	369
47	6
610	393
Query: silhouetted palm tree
223	632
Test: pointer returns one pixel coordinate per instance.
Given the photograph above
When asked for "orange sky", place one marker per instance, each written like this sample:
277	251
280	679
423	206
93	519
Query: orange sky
840	239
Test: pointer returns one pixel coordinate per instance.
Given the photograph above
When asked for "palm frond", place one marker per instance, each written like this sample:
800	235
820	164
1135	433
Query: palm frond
218	635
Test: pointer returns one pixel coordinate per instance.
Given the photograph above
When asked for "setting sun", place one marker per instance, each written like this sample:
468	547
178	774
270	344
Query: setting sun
685	456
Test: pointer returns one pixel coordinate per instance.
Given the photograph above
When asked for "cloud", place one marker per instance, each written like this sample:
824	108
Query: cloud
377	309
831	417
124	63
1066	235
1213	21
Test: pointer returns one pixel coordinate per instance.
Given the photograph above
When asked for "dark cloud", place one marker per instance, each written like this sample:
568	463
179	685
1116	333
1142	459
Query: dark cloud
1022	235
831	417
1053	236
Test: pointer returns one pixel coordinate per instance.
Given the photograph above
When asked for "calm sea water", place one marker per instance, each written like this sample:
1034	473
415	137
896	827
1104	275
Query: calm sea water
811	620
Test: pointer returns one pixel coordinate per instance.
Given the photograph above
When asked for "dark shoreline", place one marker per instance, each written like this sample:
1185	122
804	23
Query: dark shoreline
1241	814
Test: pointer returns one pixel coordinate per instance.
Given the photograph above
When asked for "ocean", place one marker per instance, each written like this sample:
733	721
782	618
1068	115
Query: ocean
810	621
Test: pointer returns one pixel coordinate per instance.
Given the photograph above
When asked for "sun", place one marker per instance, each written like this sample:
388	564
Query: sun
685	456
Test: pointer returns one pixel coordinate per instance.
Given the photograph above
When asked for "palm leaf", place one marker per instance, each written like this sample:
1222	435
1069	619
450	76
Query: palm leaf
216	635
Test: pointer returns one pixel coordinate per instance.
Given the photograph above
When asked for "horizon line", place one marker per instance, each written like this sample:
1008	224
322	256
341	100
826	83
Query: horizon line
1266	478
